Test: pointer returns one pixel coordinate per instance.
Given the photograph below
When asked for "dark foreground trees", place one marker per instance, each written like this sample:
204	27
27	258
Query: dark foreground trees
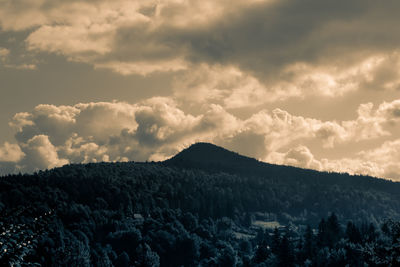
151	215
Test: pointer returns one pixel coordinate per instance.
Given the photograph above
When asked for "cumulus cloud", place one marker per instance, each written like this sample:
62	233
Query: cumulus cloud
299	156
372	123
386	157
280	129
10	153
157	128
390	111
227	86
379	162
111	131
41	154
232	87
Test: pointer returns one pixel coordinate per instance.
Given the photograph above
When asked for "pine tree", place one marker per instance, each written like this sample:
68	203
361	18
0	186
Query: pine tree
308	248
285	253
261	253
352	233
322	232
334	232
276	240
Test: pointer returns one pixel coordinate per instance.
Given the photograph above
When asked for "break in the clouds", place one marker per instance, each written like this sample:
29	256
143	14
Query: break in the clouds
308	83
157	128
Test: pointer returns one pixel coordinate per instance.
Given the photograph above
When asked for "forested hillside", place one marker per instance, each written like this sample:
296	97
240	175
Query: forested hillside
206	206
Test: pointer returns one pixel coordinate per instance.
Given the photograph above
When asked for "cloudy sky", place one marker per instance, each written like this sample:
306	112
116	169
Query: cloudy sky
308	83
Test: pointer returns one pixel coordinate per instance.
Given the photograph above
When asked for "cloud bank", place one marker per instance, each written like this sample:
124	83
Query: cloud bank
157	128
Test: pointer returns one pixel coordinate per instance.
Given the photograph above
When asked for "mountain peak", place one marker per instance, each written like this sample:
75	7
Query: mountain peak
211	157
207	152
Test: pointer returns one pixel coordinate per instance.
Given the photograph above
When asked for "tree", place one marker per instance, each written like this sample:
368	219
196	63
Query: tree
147	257
334	232
352	233
276	241
308	247
227	257
122	260
285	253
261	253
188	249
322	234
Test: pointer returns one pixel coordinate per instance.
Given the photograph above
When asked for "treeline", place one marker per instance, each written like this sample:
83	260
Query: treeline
147	214
330	244
141	187
172	238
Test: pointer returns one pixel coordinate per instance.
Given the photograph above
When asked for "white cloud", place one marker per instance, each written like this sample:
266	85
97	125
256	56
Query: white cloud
76	149
143	67
385	158
225	85
299	156
379	162
372	123
10	153
157	128
69	41
116	131
232	87
41	154
389	111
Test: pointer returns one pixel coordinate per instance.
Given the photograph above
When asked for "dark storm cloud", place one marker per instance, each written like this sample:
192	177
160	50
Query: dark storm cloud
260	38
265	37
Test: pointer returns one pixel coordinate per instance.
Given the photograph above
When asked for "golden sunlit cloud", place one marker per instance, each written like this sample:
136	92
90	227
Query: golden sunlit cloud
157	128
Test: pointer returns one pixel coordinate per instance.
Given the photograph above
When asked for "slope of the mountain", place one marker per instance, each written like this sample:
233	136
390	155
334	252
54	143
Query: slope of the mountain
192	210
211	158
206	153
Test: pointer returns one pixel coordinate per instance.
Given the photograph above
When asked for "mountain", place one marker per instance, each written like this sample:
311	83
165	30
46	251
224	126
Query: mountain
212	158
206	152
206	206
208	155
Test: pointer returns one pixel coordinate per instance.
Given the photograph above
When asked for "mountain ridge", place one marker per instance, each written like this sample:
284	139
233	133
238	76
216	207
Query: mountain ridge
211	154
208	152
212	158
115	207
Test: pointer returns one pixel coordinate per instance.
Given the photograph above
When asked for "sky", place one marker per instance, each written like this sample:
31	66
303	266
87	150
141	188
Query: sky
313	84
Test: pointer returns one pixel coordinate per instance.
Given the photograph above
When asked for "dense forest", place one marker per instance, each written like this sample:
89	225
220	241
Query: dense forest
205	207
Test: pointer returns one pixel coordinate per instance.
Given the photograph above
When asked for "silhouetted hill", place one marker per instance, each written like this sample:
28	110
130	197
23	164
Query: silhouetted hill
211	158
210	154
194	210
